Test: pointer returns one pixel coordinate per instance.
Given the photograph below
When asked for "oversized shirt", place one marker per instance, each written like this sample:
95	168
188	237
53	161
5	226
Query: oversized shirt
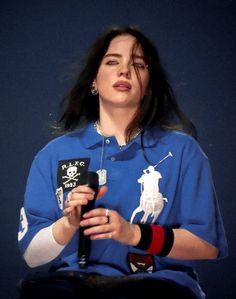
168	181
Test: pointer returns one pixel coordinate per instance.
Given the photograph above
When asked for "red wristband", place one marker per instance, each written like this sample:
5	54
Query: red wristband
158	238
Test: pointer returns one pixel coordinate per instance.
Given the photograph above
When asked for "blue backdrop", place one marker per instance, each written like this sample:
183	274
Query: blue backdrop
41	41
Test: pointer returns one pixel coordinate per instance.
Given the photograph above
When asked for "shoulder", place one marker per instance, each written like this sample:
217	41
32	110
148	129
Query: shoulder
69	144
58	145
182	138
182	142
59	141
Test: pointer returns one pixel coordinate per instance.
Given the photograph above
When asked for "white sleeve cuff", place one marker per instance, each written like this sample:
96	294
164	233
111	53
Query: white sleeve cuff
43	248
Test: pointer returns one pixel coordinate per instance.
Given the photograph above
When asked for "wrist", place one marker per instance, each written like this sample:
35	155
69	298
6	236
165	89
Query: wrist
155	239
68	225
136	234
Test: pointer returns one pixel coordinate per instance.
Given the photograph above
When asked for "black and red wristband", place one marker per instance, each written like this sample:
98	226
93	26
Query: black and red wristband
156	239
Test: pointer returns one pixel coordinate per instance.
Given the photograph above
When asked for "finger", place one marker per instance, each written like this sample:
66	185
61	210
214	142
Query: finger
98	230
96	212
94	221
83	189
103	236
97	224
102	191
71	207
77	199
77	202
107	214
107	219
68	211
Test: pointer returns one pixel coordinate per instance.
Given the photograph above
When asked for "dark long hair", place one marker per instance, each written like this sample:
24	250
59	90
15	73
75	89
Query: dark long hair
158	106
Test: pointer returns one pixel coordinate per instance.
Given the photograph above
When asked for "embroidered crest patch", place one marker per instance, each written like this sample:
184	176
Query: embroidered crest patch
141	263
69	172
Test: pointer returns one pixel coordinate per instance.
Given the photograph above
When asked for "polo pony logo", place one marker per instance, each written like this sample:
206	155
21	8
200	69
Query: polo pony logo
151	199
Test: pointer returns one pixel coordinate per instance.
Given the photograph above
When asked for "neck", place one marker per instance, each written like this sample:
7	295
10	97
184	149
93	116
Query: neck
121	141
115	124
119	137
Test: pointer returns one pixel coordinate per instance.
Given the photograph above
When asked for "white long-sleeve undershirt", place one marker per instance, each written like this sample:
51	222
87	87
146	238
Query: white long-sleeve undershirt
43	248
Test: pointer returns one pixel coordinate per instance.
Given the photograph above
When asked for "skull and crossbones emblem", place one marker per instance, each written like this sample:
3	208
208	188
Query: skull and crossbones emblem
71	174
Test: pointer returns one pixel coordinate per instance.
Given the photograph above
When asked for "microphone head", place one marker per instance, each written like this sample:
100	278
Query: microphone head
90	179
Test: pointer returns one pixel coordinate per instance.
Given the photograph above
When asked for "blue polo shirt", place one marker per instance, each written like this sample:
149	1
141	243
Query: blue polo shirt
170	185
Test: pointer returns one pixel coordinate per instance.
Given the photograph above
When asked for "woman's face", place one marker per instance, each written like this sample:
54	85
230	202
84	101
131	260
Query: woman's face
117	80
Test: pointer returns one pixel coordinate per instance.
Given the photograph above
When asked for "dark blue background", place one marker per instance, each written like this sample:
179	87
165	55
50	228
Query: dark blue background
39	43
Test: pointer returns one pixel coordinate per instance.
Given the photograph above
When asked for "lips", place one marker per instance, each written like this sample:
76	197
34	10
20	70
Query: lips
122	85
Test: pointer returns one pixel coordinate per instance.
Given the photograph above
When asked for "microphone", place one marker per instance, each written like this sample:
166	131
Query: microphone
91	180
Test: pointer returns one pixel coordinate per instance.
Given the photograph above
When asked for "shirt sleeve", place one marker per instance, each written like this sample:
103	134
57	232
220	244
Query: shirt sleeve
40	208
200	211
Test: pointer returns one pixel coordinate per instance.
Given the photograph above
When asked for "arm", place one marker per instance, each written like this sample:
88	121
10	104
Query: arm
189	246
48	243
174	243
184	245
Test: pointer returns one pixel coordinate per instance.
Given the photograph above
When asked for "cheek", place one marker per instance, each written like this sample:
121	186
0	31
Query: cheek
102	78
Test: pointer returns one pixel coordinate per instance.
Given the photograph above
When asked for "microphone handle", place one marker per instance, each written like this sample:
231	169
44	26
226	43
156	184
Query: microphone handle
90	179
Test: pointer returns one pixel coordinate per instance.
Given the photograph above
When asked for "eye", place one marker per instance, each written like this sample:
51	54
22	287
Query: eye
140	65
112	62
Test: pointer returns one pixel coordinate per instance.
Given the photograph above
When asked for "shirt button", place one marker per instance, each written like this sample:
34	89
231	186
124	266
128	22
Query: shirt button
107	141
113	158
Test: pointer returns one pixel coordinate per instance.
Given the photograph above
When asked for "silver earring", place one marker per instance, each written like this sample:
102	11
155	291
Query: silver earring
94	90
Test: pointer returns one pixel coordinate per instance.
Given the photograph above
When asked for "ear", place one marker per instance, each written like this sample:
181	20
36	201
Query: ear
95	83
93	88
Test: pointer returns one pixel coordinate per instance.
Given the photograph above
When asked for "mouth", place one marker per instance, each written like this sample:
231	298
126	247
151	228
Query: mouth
122	86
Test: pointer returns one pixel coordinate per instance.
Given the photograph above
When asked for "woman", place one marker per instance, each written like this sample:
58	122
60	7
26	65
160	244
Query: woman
155	211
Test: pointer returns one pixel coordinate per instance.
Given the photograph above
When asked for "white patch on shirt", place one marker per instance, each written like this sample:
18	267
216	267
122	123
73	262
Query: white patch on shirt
151	199
24	224
59	195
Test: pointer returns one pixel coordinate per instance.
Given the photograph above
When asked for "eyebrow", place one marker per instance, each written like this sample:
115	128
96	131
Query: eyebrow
119	55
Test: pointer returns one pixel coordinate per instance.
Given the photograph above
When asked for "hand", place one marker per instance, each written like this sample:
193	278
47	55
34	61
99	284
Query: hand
103	226
76	198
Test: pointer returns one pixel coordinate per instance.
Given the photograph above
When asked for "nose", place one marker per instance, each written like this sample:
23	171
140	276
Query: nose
124	70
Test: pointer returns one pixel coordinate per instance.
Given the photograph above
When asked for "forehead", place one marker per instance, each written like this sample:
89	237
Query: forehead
124	44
